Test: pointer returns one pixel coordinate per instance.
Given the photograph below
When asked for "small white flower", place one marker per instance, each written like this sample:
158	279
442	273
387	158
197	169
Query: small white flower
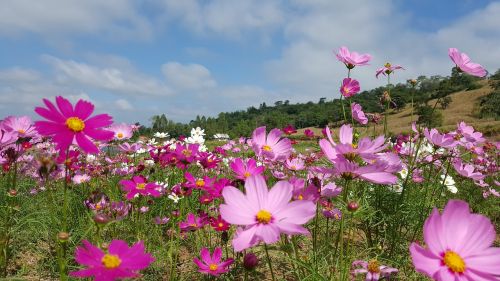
161	135
174	197
149	163
152	141
449	182
90	158
403	173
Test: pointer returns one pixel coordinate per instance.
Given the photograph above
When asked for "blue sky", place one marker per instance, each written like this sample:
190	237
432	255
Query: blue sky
135	59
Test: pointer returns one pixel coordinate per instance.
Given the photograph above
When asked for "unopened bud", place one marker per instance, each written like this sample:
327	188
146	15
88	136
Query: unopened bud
352	206
250	261
63	236
100	219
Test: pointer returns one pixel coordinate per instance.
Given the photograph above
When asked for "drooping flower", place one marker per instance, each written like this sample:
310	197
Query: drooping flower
463	62
66	124
122	131
373	270
243	169
349	87
272	146
119	262
309	133
387	69
138	185
352	59
358	114
264	213
458	246
212	264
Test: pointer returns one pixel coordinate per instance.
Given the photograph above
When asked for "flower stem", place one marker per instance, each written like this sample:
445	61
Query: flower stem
269	262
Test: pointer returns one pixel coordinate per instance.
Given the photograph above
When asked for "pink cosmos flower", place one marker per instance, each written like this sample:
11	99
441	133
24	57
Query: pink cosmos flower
309	133
458	246
212	265
373	270
377	173
464	63
358	114
443	140
21	125
119	262
295	164
264	213
289	129
191	223
79	179
387	69
129	148
467	170
349	87
352	59
468	134
272	146
138	185
244	170
66	124
122	131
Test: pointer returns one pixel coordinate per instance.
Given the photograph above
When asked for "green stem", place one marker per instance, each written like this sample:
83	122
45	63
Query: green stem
269	262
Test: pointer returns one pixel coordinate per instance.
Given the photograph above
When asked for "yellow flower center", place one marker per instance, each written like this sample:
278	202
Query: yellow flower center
346	90
246	174
213	267
351	156
264	216
200	183
187	152
267	148
98	206
221	224
21	131
293	167
75	124
141	186
300	197
388	65
111	261
454	262
374	266
119	135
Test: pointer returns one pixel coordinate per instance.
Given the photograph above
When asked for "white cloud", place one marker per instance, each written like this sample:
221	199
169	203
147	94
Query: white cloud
123	104
192	77
19	74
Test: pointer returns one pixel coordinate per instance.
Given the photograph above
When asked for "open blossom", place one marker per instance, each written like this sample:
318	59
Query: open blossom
265	214
349	87
243	169
373	270
387	69
289	129
295	164
464	63
352	59
118	263
191	223
21	125
272	146
467	170
212	264
358	114
122	131
443	140
138	185
458	246
66	124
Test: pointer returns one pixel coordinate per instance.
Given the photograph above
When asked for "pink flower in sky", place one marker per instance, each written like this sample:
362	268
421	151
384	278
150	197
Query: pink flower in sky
122	131
264	213
243	169
387	69
21	125
349	87
66	124
459	246
352	59
212	265
118	263
464	63
138	185
358	114
272	146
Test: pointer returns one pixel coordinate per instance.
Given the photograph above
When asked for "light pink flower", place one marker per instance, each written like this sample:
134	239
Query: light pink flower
21	125
212	264
387	69
272	146
358	114
243	169
443	140
122	131
467	170
464	63
264	213
295	164
458	246
373	270
352	59
349	87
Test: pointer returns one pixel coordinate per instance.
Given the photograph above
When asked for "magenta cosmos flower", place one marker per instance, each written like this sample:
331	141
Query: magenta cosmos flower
264	213
358	114
352	59
387	69
66	124
138	185
212	265
464	64
272	146
119	262
349	87
243	169
458	246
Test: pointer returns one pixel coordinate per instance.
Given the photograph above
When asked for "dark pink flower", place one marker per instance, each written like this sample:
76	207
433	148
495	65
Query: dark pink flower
118	263
66	124
138	185
349	87
212	264
464	63
289	129
352	59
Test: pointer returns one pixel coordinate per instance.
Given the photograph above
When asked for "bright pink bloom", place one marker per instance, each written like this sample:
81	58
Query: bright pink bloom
467	170
138	185
67	124
119	262
289	129
358	114
352	59
244	170
373	270
387	69
272	146
264	213
22	126
376	173
122	131
200	183
212	265
458	246
349	87
309	133
219	224
191	223
464	63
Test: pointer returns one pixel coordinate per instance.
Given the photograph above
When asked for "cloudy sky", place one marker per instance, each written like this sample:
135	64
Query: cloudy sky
134	59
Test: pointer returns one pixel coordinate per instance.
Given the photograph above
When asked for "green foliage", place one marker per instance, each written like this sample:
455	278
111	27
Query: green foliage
429	116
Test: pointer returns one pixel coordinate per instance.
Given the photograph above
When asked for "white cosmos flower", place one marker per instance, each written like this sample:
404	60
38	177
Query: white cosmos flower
161	135
449	182
174	197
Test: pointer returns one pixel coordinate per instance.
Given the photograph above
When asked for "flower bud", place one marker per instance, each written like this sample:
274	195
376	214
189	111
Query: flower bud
63	236
101	219
250	261
352	206
12	192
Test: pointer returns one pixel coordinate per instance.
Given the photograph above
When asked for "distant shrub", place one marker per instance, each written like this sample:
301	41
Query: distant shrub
429	116
490	105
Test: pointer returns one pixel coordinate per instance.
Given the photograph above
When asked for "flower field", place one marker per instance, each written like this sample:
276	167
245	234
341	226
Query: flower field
83	197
